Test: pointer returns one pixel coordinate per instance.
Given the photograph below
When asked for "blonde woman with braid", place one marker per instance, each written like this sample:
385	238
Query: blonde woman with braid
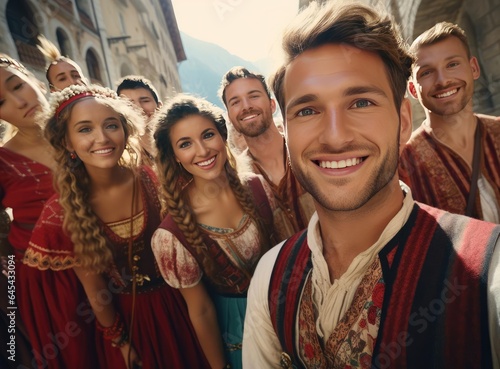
218	224
100	225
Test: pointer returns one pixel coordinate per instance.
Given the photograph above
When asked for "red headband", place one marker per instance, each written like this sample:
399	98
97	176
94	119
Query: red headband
70	100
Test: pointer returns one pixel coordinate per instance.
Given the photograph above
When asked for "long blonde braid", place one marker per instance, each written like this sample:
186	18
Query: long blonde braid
79	220
71	179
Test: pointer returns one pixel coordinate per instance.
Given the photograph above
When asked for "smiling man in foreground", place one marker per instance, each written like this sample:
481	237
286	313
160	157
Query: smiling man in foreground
376	280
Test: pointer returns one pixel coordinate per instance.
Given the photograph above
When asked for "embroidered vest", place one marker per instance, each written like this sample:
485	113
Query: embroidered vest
441	178
435	271
226	279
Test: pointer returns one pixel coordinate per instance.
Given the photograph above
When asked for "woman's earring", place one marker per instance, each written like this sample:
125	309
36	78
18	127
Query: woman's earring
73	160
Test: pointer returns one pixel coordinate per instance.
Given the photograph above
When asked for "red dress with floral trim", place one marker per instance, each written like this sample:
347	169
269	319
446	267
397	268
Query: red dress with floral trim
163	335
61	322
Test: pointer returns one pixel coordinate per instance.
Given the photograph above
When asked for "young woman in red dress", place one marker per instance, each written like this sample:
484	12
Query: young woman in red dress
100	225
25	186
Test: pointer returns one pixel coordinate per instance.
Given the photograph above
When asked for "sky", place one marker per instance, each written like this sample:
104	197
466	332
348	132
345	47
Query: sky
250	29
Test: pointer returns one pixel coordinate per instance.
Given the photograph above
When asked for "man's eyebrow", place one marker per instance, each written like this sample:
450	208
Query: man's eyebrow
350	91
359	90
304	99
422	66
232	98
254	91
247	93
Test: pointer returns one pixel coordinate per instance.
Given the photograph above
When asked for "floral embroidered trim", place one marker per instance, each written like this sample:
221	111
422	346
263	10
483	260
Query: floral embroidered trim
37	260
352	342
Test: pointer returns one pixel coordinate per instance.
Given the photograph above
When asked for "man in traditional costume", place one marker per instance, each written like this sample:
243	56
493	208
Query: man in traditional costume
377	279
452	160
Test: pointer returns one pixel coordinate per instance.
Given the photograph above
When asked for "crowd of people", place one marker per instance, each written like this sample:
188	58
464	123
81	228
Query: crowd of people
150	234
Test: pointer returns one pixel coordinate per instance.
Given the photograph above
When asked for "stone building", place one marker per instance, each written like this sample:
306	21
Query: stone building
481	21
107	38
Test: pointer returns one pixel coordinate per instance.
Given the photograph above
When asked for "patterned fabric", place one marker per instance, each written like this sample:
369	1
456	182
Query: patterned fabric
122	227
25	186
146	270
352	343
163	335
235	254
441	178
50	223
49	232
288	278
445	278
295	205
434	277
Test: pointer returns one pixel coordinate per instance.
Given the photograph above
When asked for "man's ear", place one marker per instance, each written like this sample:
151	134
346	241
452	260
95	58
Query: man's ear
406	123
474	66
273	106
412	89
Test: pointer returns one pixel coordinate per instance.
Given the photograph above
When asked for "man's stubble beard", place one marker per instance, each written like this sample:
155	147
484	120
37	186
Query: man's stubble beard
378	179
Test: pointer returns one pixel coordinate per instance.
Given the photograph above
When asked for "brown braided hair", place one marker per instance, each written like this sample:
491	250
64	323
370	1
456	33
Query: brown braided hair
173	177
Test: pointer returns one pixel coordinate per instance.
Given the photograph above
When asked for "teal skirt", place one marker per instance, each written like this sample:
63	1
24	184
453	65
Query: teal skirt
231	317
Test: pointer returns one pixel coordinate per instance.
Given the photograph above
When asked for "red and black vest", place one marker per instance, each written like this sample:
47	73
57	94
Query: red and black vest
434	312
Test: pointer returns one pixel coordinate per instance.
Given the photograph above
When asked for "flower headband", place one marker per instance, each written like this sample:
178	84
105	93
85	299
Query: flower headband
70	100
6	61
60	100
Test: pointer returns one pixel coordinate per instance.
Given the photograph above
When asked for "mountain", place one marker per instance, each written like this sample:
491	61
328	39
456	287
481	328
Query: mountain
206	63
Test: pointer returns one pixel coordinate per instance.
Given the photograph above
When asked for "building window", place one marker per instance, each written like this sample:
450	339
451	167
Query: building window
122	25
93	66
64	44
24	31
85	13
83	5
